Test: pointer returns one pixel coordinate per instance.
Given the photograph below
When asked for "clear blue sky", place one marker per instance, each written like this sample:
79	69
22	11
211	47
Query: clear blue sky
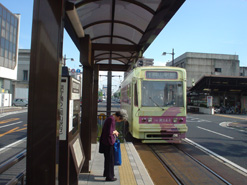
207	26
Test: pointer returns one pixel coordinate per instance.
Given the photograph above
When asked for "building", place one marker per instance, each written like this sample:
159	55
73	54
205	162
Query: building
145	62
9	37
215	75
199	64
243	71
141	62
21	85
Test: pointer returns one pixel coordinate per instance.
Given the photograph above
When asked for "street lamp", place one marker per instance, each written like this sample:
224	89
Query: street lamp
172	53
64	60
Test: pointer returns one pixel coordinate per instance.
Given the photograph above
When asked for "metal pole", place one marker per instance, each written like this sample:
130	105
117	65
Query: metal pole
64	60
172	56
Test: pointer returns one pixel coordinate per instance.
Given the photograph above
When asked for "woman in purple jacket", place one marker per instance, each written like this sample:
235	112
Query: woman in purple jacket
107	139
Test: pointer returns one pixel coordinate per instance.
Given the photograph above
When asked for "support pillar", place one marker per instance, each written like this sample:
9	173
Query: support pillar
109	84
86	123
95	104
44	88
87	99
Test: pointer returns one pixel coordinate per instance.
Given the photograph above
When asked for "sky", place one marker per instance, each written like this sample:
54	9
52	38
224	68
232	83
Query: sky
206	26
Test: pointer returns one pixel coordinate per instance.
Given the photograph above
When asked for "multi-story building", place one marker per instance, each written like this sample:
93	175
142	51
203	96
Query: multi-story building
9	36
215	75
198	65
243	71
21	85
145	62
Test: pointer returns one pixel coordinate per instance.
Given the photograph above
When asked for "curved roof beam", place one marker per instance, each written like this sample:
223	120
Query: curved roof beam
150	10
96	61
115	36
115	21
108	54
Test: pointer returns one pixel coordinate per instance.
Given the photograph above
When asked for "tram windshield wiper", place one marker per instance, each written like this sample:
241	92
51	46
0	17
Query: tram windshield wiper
155	103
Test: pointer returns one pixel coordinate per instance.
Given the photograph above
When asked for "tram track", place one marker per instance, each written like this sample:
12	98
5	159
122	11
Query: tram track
186	169
185	164
183	167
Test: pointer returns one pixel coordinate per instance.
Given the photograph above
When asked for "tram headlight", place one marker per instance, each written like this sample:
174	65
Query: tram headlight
144	119
175	120
150	120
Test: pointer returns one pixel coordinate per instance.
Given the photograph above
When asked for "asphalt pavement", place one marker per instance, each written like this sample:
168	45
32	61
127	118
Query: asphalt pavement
241	124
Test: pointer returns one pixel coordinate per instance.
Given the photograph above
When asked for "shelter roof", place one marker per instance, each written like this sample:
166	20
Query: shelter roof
214	83
120	30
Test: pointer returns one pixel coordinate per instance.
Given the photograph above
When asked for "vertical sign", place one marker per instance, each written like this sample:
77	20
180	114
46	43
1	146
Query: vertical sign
71	114
209	101
63	108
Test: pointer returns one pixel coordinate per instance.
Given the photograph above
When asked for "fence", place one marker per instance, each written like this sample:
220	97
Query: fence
11	162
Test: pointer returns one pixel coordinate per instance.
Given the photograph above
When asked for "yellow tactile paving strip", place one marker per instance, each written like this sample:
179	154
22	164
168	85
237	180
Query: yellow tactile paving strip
125	170
228	116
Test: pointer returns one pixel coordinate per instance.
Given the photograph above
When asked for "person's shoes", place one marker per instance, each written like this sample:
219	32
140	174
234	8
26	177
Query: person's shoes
108	179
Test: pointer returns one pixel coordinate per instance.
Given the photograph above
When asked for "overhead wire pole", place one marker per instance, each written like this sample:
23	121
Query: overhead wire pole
172	53
109	78
64	60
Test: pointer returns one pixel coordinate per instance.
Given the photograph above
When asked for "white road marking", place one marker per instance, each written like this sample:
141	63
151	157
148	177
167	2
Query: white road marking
193	119
12	144
240	169
226	125
216	132
11	124
10	113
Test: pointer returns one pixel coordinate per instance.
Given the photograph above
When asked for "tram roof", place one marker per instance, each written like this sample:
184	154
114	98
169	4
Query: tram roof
120	30
215	83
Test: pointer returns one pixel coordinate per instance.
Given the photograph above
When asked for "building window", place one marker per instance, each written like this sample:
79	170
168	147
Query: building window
218	70
8	37
25	75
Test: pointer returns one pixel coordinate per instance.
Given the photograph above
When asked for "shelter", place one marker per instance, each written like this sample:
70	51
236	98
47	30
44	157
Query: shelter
226	90
110	35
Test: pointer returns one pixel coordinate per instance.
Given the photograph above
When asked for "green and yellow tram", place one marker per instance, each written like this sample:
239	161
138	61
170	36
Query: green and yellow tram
155	99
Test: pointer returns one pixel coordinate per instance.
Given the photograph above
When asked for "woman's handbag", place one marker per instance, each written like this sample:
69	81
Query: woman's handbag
117	153
101	148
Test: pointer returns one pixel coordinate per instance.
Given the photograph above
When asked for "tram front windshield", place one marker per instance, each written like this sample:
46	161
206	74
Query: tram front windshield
162	94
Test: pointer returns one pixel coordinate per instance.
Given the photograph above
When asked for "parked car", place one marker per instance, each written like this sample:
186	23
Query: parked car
20	102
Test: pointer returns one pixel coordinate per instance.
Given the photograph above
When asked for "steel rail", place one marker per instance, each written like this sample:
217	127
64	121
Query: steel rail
17	179
173	175
204	166
12	161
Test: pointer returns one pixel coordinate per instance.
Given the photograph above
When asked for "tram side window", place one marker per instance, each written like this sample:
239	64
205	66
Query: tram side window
135	95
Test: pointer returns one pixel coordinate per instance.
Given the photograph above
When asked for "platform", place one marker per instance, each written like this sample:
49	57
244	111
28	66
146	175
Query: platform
131	172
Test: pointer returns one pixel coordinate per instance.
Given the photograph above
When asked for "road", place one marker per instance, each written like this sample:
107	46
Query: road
209	131
12	128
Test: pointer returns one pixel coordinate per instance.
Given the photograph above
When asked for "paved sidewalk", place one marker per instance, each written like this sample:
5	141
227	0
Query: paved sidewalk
11	109
131	172
240	123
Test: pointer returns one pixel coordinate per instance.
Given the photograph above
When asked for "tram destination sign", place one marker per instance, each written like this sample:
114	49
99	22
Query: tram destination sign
161	75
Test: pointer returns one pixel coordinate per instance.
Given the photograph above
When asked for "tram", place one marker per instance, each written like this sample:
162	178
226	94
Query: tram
155	100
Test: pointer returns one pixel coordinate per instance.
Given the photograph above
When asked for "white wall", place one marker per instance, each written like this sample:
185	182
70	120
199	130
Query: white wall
21	93
5	100
8	73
